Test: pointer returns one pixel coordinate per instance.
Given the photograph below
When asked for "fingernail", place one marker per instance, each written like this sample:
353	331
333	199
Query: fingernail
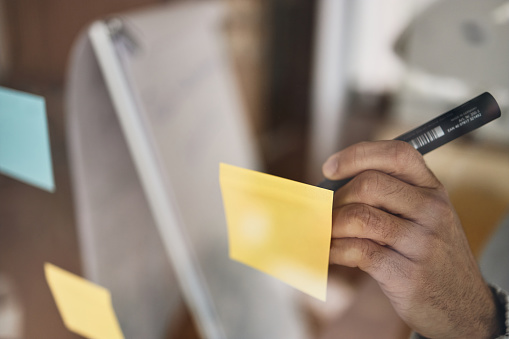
330	167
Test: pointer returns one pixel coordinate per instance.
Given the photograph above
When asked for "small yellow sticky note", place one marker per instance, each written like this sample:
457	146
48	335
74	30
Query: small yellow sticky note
279	226
85	307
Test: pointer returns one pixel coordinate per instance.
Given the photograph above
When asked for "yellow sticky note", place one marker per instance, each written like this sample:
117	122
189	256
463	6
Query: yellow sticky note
85	307
279	226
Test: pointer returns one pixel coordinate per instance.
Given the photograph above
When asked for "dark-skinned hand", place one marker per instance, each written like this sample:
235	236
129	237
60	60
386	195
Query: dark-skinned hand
394	221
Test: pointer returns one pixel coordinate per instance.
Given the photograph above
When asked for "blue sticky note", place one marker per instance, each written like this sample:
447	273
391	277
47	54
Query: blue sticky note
24	141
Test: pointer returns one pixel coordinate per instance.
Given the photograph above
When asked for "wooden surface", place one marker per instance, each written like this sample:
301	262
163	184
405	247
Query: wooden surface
37	226
41	32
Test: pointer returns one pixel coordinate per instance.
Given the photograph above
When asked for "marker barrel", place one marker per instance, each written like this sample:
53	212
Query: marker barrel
443	129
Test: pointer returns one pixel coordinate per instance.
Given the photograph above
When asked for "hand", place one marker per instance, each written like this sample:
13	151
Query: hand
394	220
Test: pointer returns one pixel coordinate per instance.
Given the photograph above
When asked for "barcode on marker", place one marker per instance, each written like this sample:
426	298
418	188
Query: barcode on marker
427	137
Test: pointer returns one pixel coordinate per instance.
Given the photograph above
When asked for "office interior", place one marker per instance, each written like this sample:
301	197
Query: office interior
313	78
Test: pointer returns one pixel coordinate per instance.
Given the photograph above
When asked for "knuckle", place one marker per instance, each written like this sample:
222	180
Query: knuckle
371	184
441	189
442	206
439	207
388	233
437	229
355	252
366	183
358	214
372	255
359	154
371	223
404	154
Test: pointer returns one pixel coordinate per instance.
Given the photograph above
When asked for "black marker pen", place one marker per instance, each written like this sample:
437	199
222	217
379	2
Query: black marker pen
444	128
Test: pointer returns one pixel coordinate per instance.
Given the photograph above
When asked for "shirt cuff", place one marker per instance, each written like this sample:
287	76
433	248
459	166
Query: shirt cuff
502	299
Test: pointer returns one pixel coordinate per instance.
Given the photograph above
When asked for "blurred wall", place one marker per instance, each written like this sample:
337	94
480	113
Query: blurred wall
3	41
36	226
41	33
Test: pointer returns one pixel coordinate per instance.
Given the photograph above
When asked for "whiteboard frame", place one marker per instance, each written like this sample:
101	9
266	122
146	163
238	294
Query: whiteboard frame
161	201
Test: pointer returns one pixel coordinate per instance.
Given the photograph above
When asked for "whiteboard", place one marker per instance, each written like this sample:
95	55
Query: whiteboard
153	108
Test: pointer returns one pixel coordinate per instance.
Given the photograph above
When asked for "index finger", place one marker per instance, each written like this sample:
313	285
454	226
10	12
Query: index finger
394	157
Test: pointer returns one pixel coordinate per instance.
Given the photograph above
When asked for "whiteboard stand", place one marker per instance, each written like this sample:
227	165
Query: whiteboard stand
161	202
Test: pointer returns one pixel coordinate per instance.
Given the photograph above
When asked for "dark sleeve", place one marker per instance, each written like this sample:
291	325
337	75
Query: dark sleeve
502	298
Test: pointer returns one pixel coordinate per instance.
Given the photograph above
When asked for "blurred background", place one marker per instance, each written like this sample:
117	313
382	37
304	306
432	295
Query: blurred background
314	77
